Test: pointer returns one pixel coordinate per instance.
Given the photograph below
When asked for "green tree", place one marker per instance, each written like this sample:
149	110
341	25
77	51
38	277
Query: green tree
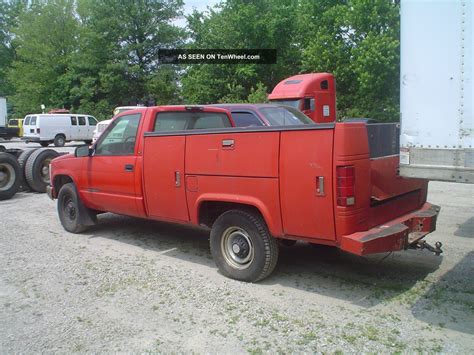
45	39
357	41
241	24
93	55
117	61
9	13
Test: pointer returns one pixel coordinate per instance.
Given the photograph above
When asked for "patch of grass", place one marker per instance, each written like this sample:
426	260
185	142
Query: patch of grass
308	337
351	339
371	333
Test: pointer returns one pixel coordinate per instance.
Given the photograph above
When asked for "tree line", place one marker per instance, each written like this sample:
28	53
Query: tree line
92	55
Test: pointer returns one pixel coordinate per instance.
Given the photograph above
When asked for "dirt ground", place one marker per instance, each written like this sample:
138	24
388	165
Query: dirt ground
140	286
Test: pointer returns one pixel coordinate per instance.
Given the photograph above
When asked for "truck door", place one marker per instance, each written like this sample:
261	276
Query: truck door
82	128
110	172
72	133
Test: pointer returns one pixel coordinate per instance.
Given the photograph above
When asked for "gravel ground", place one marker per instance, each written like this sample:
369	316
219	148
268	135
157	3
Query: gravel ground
141	286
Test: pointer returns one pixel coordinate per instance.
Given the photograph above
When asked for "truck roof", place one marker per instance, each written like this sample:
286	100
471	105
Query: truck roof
300	85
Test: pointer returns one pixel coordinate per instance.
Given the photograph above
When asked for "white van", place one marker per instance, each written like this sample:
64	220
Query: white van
58	128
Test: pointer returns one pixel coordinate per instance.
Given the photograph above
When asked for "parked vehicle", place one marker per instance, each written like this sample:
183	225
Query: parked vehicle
314	94
22	170
6	131
254	115
436	90
121	109
18	124
252	186
99	129
58	128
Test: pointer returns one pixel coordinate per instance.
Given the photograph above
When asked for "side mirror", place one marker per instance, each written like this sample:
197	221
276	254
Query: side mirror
83	151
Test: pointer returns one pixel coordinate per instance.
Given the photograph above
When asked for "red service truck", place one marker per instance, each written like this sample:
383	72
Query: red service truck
252	186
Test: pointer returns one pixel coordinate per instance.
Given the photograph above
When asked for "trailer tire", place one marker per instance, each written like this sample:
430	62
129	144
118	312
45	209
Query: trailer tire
242	246
22	159
74	216
9	176
44	144
37	169
59	140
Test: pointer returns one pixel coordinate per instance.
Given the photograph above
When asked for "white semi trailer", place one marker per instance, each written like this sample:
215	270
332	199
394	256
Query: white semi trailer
437	90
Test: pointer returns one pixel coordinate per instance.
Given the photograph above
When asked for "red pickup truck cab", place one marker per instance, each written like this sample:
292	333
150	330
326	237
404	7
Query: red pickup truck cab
320	183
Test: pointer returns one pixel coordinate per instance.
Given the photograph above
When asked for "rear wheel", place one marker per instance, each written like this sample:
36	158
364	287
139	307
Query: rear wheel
242	246
9	176
37	169
71	211
59	140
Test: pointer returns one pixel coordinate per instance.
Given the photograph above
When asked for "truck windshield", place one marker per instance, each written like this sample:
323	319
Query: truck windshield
296	103
284	116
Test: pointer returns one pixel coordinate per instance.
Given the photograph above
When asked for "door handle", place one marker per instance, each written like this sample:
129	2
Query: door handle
228	143
129	167
320	186
177	179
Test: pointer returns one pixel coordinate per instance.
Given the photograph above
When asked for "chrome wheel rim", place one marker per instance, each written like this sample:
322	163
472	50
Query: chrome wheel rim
44	170
237	248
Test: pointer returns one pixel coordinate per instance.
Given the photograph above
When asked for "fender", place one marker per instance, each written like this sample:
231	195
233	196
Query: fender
274	224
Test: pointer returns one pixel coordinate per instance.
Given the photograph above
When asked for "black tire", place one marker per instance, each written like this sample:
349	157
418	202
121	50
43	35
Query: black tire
44	144
59	140
70	209
37	169
9	176
22	158
242	246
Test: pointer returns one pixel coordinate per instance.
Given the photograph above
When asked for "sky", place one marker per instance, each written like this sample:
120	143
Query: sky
190	5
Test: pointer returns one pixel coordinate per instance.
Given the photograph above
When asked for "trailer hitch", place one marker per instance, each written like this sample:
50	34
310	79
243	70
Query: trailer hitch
422	244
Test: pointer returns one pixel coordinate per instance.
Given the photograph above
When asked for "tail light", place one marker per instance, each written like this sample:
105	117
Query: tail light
345	187
37	130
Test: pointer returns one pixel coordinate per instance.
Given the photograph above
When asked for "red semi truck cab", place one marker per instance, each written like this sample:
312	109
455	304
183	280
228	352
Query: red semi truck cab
252	186
314	94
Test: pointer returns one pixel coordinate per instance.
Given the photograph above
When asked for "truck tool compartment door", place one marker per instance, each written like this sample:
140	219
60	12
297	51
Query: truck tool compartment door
306	183
164	175
110	173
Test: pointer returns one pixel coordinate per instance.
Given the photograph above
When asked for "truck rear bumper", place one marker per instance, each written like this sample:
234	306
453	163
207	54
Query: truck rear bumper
395	235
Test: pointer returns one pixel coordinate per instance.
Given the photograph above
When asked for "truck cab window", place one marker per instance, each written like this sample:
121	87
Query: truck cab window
82	121
180	121
246	119
120	136
308	104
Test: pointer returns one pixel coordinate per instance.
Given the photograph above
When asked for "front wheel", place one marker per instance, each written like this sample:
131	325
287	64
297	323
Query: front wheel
242	246
59	140
72	213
